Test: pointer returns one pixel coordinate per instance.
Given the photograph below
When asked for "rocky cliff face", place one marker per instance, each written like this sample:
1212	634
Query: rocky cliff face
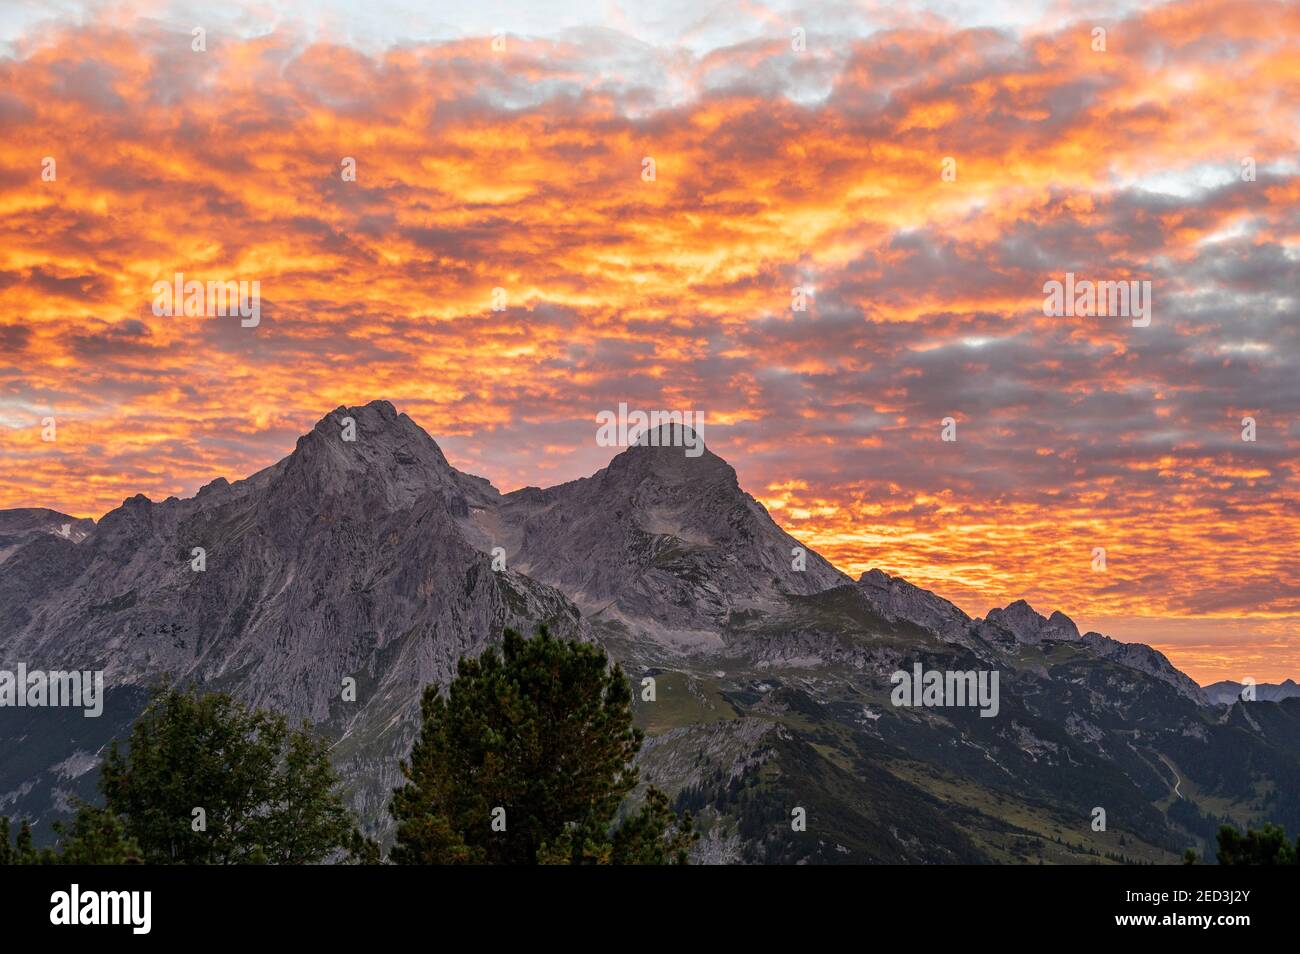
896	599
665	544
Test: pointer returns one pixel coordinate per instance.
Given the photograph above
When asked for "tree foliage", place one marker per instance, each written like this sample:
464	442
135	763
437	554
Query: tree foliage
538	737
206	780
1257	846
21	851
95	837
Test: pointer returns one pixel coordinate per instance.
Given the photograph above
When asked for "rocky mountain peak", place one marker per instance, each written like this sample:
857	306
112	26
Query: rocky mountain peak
378	430
1060	626
667	540
672	452
375	450
896	599
1022	624
218	486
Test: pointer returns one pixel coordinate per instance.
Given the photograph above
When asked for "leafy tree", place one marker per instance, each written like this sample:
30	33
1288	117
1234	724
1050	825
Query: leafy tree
205	780
1263	846
542	730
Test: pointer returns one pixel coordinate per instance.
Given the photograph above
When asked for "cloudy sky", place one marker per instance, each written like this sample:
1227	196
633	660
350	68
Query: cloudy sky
519	164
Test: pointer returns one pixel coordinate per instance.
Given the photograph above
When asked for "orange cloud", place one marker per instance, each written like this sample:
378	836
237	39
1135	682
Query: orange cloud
522	172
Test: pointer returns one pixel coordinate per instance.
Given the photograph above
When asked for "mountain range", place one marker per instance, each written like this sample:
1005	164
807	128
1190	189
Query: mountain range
1227	692
365	555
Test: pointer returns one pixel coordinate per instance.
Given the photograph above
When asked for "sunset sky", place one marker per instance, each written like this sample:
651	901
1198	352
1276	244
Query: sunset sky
521	168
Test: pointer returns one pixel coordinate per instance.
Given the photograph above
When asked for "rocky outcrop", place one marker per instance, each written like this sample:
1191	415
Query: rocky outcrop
1020	624
896	599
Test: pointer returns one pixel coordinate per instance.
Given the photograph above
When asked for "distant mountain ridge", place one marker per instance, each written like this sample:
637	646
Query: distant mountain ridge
18	527
1228	692
365	554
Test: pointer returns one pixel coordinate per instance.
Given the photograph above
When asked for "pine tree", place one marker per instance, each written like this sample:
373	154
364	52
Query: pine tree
641	839
21	851
539	738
